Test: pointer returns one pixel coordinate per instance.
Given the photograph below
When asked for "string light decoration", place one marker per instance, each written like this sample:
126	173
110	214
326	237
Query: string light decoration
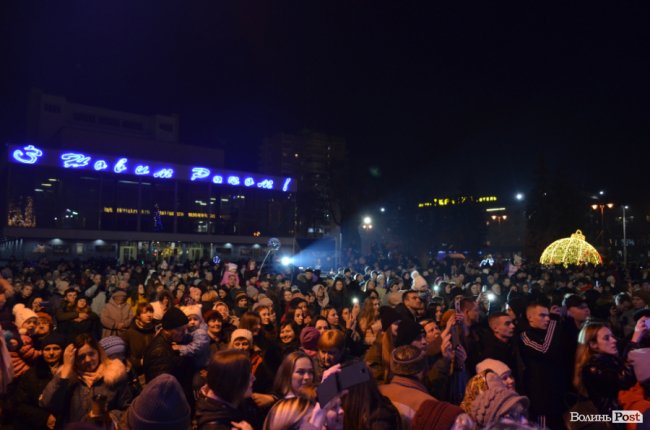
572	250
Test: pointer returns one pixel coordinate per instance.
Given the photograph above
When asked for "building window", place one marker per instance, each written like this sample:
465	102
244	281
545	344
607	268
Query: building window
48	107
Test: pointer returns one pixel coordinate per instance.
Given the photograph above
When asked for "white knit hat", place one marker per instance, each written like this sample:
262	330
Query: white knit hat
192	310
22	314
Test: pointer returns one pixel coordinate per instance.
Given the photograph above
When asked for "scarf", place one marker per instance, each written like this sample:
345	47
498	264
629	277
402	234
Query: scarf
89	378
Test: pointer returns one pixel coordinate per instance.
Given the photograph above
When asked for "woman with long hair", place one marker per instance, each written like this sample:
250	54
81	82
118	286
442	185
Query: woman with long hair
369	322
599	372
288	414
86	377
295	376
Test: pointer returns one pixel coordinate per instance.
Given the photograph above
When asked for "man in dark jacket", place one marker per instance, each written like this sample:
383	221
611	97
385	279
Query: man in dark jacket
160	356
498	343
411	304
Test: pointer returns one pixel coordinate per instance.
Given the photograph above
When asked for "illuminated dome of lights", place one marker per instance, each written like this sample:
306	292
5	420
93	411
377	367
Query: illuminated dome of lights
572	250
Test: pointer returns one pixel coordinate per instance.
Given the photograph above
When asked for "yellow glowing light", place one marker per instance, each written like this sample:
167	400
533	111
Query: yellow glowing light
572	250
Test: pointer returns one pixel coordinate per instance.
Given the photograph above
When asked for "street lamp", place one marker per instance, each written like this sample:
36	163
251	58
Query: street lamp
601	207
624	207
499	218
519	196
367	223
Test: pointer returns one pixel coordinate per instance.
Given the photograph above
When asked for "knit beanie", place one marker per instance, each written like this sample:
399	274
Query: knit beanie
113	346
408	331
22	314
192	310
435	414
174	318
309	338
160	406
241	333
640	360
388	315
494	402
498	367
54	339
408	367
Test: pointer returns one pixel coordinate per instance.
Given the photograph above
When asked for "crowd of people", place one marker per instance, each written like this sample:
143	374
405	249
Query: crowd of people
388	342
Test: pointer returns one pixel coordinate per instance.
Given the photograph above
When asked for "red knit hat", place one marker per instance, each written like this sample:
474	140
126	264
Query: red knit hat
434	414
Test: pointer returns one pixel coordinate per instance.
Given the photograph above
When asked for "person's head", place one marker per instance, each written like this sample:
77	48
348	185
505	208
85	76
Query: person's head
640	299
251	321
265	314
502	326
241	301
53	346
288	414
412	300
339	284
119	296
194	316
144	313
295	374
469	308
241	339
82	302
538	316
360	402
577	308
594	338
70	295
174	324
331	347
296	316
332	316
408	360
498	367
26	319
431	330
287	332
27	291
215	322
89	354
44	325
321	324
411	333
223	309
229	375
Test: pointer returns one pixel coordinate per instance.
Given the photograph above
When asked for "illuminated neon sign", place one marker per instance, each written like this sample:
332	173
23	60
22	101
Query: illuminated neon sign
122	165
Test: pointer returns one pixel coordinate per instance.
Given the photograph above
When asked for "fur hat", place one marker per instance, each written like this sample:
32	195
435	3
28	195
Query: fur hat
160	406
22	314
174	318
494	402
388	316
640	360
309	338
54	339
408	331
192	310
241	333
409	367
435	414
113	346
498	367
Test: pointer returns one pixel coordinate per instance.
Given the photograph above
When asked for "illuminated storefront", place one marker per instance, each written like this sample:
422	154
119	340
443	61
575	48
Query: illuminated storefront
76	195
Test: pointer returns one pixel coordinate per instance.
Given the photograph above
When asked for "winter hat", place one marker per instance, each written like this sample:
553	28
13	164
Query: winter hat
54	339
113	346
489	405
160	406
240	295
407	367
263	301
118	292
408	331
435	414
640	360
388	316
192	310
309	338
45	316
22	314
498	367
174	318
241	333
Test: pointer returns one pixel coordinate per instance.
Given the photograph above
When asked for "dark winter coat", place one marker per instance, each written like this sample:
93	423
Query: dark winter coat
137	339
212	414
603	376
29	415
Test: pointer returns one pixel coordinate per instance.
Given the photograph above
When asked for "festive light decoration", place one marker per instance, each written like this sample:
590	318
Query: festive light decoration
27	155
572	250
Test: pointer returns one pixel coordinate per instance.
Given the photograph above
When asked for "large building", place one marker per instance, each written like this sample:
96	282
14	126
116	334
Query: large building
315	160
90	181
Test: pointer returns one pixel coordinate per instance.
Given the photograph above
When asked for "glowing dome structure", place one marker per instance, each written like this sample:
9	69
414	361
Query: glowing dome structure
572	250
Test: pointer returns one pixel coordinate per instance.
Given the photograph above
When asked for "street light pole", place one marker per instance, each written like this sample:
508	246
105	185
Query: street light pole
624	239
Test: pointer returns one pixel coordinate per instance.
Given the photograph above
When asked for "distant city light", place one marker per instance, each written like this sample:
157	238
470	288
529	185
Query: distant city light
367	220
601	192
519	196
382	210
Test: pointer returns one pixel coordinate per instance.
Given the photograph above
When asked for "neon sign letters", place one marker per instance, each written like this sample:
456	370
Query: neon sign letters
32	155
28	155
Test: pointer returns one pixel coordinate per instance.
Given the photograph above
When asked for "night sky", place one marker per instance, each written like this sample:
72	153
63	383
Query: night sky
427	95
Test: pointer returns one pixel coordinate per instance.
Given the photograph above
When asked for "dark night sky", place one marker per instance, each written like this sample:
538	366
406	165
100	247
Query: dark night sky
428	94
